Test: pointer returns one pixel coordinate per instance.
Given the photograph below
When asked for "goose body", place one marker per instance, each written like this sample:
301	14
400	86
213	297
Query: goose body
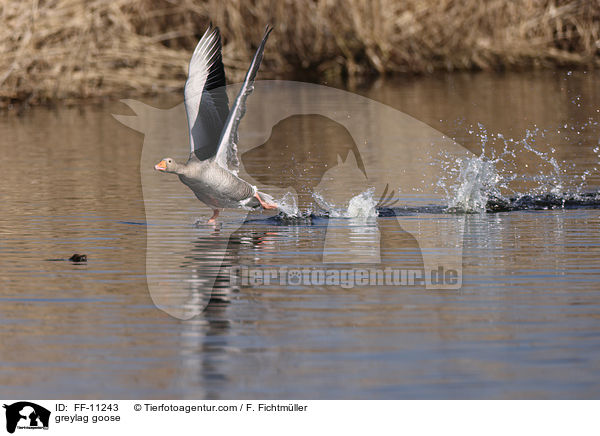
217	187
211	170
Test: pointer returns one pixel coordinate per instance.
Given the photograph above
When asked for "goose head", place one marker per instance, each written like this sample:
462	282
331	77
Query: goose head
168	165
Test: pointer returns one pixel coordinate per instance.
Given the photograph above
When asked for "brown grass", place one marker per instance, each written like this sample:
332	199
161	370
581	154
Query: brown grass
72	49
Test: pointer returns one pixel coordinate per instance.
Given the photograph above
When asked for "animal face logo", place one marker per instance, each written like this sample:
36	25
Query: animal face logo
26	415
326	141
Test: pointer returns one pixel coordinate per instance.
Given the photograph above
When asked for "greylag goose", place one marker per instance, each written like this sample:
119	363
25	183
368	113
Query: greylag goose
211	170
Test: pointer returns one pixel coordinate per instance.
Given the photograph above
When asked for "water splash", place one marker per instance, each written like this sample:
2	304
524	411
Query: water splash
363	205
472	184
476	183
288	206
477	178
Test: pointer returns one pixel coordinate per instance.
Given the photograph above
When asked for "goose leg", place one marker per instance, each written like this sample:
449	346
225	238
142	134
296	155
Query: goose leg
264	204
213	219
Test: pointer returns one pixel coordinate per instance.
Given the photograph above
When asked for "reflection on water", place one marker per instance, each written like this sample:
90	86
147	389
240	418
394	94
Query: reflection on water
523	325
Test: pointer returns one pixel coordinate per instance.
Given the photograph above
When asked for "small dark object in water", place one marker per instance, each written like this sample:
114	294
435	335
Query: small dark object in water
78	258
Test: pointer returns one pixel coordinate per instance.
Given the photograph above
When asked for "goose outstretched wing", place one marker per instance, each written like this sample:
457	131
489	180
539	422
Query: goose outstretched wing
226	155
206	102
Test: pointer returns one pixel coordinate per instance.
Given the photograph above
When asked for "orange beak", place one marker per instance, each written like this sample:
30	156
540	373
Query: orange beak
161	166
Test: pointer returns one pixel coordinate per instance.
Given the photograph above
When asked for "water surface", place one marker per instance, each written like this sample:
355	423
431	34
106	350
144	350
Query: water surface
525	323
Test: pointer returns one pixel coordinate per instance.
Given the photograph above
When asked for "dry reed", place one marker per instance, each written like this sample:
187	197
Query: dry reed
73	49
